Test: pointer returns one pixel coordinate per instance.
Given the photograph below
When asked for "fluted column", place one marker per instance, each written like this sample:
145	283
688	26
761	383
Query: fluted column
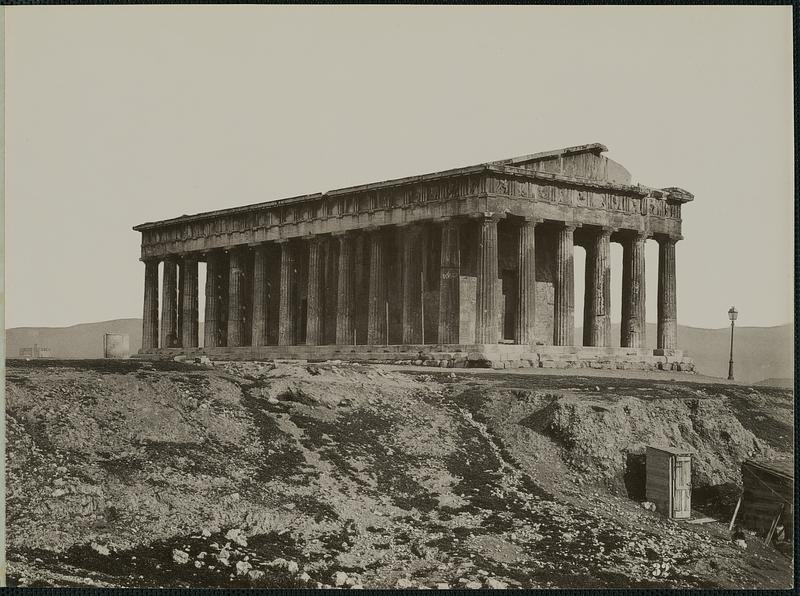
169	304
597	294
215	269
487	329
525	323
258	331
632	329
286	308
314	298
376	321
450	270
150	314
236	306
189	303
344	314
564	291
667	333
412	289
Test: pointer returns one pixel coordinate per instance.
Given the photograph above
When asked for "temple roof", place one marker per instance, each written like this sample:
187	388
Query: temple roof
533	165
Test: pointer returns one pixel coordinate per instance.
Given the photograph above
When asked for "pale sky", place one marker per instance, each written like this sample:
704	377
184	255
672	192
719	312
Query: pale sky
117	115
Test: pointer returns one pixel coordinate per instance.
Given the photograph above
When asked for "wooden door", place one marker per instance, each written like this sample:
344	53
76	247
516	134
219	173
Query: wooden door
682	487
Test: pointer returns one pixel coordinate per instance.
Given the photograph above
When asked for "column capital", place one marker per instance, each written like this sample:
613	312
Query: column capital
667	238
531	219
570	226
493	215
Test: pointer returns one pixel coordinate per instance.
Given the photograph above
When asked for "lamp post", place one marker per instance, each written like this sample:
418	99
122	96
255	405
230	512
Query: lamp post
732	314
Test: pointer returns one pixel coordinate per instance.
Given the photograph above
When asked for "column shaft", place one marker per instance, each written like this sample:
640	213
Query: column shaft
376	321
564	291
667	333
632	329
169	305
260	279
236	305
150	314
487	324
412	288
314	298
286	310
450	271
525	323
189	303
597	296
211	336
344	314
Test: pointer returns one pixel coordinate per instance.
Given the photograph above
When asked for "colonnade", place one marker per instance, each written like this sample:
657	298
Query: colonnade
238	291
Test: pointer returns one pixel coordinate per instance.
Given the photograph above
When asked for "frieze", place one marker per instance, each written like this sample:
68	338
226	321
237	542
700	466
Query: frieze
424	193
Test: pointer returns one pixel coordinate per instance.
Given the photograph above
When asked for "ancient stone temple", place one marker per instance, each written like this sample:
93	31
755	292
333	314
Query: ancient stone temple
465	267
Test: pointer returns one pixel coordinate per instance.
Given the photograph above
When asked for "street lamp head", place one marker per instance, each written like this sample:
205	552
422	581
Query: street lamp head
733	313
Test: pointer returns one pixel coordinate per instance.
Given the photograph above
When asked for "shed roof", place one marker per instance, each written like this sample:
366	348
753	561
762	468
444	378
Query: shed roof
674	450
775	467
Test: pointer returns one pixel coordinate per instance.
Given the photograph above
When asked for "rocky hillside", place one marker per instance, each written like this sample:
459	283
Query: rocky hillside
147	474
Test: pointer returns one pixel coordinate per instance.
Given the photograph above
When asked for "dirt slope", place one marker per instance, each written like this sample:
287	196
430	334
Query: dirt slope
258	474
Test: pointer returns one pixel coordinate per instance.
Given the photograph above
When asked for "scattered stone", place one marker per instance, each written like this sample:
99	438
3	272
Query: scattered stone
179	556
206	533
356	587
304	577
59	492
496	584
442	586
198	564
403	584
339	578
255	574
243	568
292	567
741	543
100	549
237	536
473	585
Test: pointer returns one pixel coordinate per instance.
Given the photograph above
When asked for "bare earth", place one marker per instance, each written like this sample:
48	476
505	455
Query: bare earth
134	473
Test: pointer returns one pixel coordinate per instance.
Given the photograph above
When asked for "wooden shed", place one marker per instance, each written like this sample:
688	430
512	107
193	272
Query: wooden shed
669	481
767	495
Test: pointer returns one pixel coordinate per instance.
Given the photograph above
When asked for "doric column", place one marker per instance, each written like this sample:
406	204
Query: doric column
189	330
632	328
169	304
260	278
667	335
450	270
236	306
376	321
487	330
597	291
526	283
412	288
150	315
314	298
286	309
564	291
214	302
344	313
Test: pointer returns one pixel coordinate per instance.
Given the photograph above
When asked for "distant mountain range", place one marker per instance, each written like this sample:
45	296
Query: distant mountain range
761	354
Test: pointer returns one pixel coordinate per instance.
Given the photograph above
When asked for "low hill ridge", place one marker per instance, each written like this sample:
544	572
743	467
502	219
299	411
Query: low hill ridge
759	352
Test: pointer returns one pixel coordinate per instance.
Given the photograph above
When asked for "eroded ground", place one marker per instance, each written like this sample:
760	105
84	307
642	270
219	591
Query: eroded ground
289	475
